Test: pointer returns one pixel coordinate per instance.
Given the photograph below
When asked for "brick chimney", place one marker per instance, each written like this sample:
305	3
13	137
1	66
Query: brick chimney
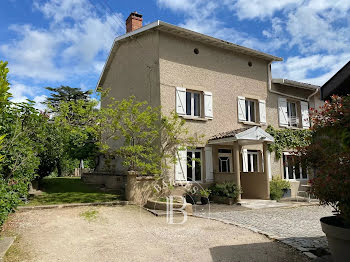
133	22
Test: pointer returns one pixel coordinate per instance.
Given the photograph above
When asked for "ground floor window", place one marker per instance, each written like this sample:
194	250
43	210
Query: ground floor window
194	169
294	169
225	160
253	164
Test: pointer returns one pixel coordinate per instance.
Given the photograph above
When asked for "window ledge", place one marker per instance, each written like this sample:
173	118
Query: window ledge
251	123
195	118
293	127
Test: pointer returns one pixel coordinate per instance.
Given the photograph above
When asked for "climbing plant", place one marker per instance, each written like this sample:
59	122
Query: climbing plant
288	139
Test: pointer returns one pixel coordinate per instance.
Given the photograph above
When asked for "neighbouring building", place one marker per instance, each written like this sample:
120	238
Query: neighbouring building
339	84
222	90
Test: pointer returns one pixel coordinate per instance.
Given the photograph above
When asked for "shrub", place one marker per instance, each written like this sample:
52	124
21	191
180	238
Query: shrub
205	193
9	199
227	189
329	156
277	185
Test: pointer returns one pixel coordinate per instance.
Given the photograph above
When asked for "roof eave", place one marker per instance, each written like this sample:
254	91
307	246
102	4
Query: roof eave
293	83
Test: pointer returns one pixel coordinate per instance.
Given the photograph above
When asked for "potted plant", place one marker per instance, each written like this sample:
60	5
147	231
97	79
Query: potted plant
278	188
205	193
329	156
225	193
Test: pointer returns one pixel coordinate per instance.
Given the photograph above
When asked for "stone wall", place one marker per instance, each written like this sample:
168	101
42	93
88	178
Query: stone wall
106	180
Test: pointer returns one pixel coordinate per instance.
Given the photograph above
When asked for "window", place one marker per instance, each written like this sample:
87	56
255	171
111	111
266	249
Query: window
250	110
225	160
292	114
293	168
253	165
194	169
193	104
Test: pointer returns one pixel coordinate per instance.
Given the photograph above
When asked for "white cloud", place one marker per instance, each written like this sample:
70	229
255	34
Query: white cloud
259	8
39	102
70	46
299	68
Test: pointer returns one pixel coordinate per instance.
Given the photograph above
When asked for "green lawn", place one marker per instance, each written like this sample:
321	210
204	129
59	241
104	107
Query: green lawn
64	190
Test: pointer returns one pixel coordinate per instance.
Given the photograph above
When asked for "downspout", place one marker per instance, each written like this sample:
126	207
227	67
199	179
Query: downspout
269	85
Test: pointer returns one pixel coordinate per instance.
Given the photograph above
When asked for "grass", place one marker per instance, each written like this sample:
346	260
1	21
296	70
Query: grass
89	215
65	190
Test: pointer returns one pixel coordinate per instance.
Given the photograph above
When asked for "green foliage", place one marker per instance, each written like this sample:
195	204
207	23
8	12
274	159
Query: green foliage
89	215
65	94
9	199
205	192
277	185
227	189
288	139
329	155
138	133
4	85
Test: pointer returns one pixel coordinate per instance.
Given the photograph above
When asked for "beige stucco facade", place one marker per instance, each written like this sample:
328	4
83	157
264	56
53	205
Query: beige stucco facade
151	65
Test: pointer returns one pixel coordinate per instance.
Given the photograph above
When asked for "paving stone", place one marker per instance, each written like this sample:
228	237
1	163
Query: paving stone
298	227
5	243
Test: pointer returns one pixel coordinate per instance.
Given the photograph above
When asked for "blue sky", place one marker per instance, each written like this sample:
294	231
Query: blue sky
66	42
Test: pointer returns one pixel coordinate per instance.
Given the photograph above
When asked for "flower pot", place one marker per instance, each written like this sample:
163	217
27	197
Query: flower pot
224	200
204	200
191	199
338	238
286	192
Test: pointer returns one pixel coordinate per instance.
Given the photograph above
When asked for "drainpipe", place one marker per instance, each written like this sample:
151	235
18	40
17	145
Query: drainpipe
269	81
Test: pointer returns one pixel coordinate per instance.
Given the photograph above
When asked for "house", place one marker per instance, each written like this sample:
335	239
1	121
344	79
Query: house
339	84
222	90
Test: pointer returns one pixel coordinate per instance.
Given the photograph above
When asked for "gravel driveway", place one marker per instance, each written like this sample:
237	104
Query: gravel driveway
130	234
299	226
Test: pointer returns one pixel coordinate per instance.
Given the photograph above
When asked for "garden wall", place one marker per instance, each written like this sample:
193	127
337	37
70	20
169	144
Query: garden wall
107	180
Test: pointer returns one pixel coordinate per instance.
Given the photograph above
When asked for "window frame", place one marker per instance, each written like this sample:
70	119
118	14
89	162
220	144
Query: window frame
192	109
248	116
289	102
193	165
286	170
250	154
229	155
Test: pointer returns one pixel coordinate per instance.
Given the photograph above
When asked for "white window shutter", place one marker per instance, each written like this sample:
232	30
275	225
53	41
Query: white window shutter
241	109
208	104
245	160
181	100
305	114
209	164
282	111
262	111
181	166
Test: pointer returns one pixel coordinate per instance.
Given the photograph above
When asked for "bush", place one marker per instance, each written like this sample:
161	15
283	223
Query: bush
227	189
277	185
9	199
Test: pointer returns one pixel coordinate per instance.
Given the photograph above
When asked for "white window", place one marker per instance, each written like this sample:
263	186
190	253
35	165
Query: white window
250	110
193	104
292	114
252	161
225	160
194	168
294	169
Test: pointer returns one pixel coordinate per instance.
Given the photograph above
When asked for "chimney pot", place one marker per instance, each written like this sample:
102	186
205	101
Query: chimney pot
133	22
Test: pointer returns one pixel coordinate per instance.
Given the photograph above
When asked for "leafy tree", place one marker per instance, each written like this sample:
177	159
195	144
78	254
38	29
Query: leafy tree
65	94
4	84
142	137
329	155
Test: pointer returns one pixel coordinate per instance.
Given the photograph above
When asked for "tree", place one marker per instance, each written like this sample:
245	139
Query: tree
4	85
147	141
65	94
329	155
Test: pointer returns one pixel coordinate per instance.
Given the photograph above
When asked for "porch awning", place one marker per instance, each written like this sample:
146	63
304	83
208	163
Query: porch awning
244	135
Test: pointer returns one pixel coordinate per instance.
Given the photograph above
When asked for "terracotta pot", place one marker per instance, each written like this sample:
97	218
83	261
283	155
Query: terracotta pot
338	238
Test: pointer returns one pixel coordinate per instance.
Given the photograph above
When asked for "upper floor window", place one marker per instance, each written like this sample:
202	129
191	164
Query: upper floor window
250	110
196	104
293	119
293	113
193	103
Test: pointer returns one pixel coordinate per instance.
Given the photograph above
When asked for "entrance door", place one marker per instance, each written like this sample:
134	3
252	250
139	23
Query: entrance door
194	168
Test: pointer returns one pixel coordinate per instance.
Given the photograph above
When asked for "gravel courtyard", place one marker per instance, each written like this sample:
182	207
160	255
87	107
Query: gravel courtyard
130	234
299	226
